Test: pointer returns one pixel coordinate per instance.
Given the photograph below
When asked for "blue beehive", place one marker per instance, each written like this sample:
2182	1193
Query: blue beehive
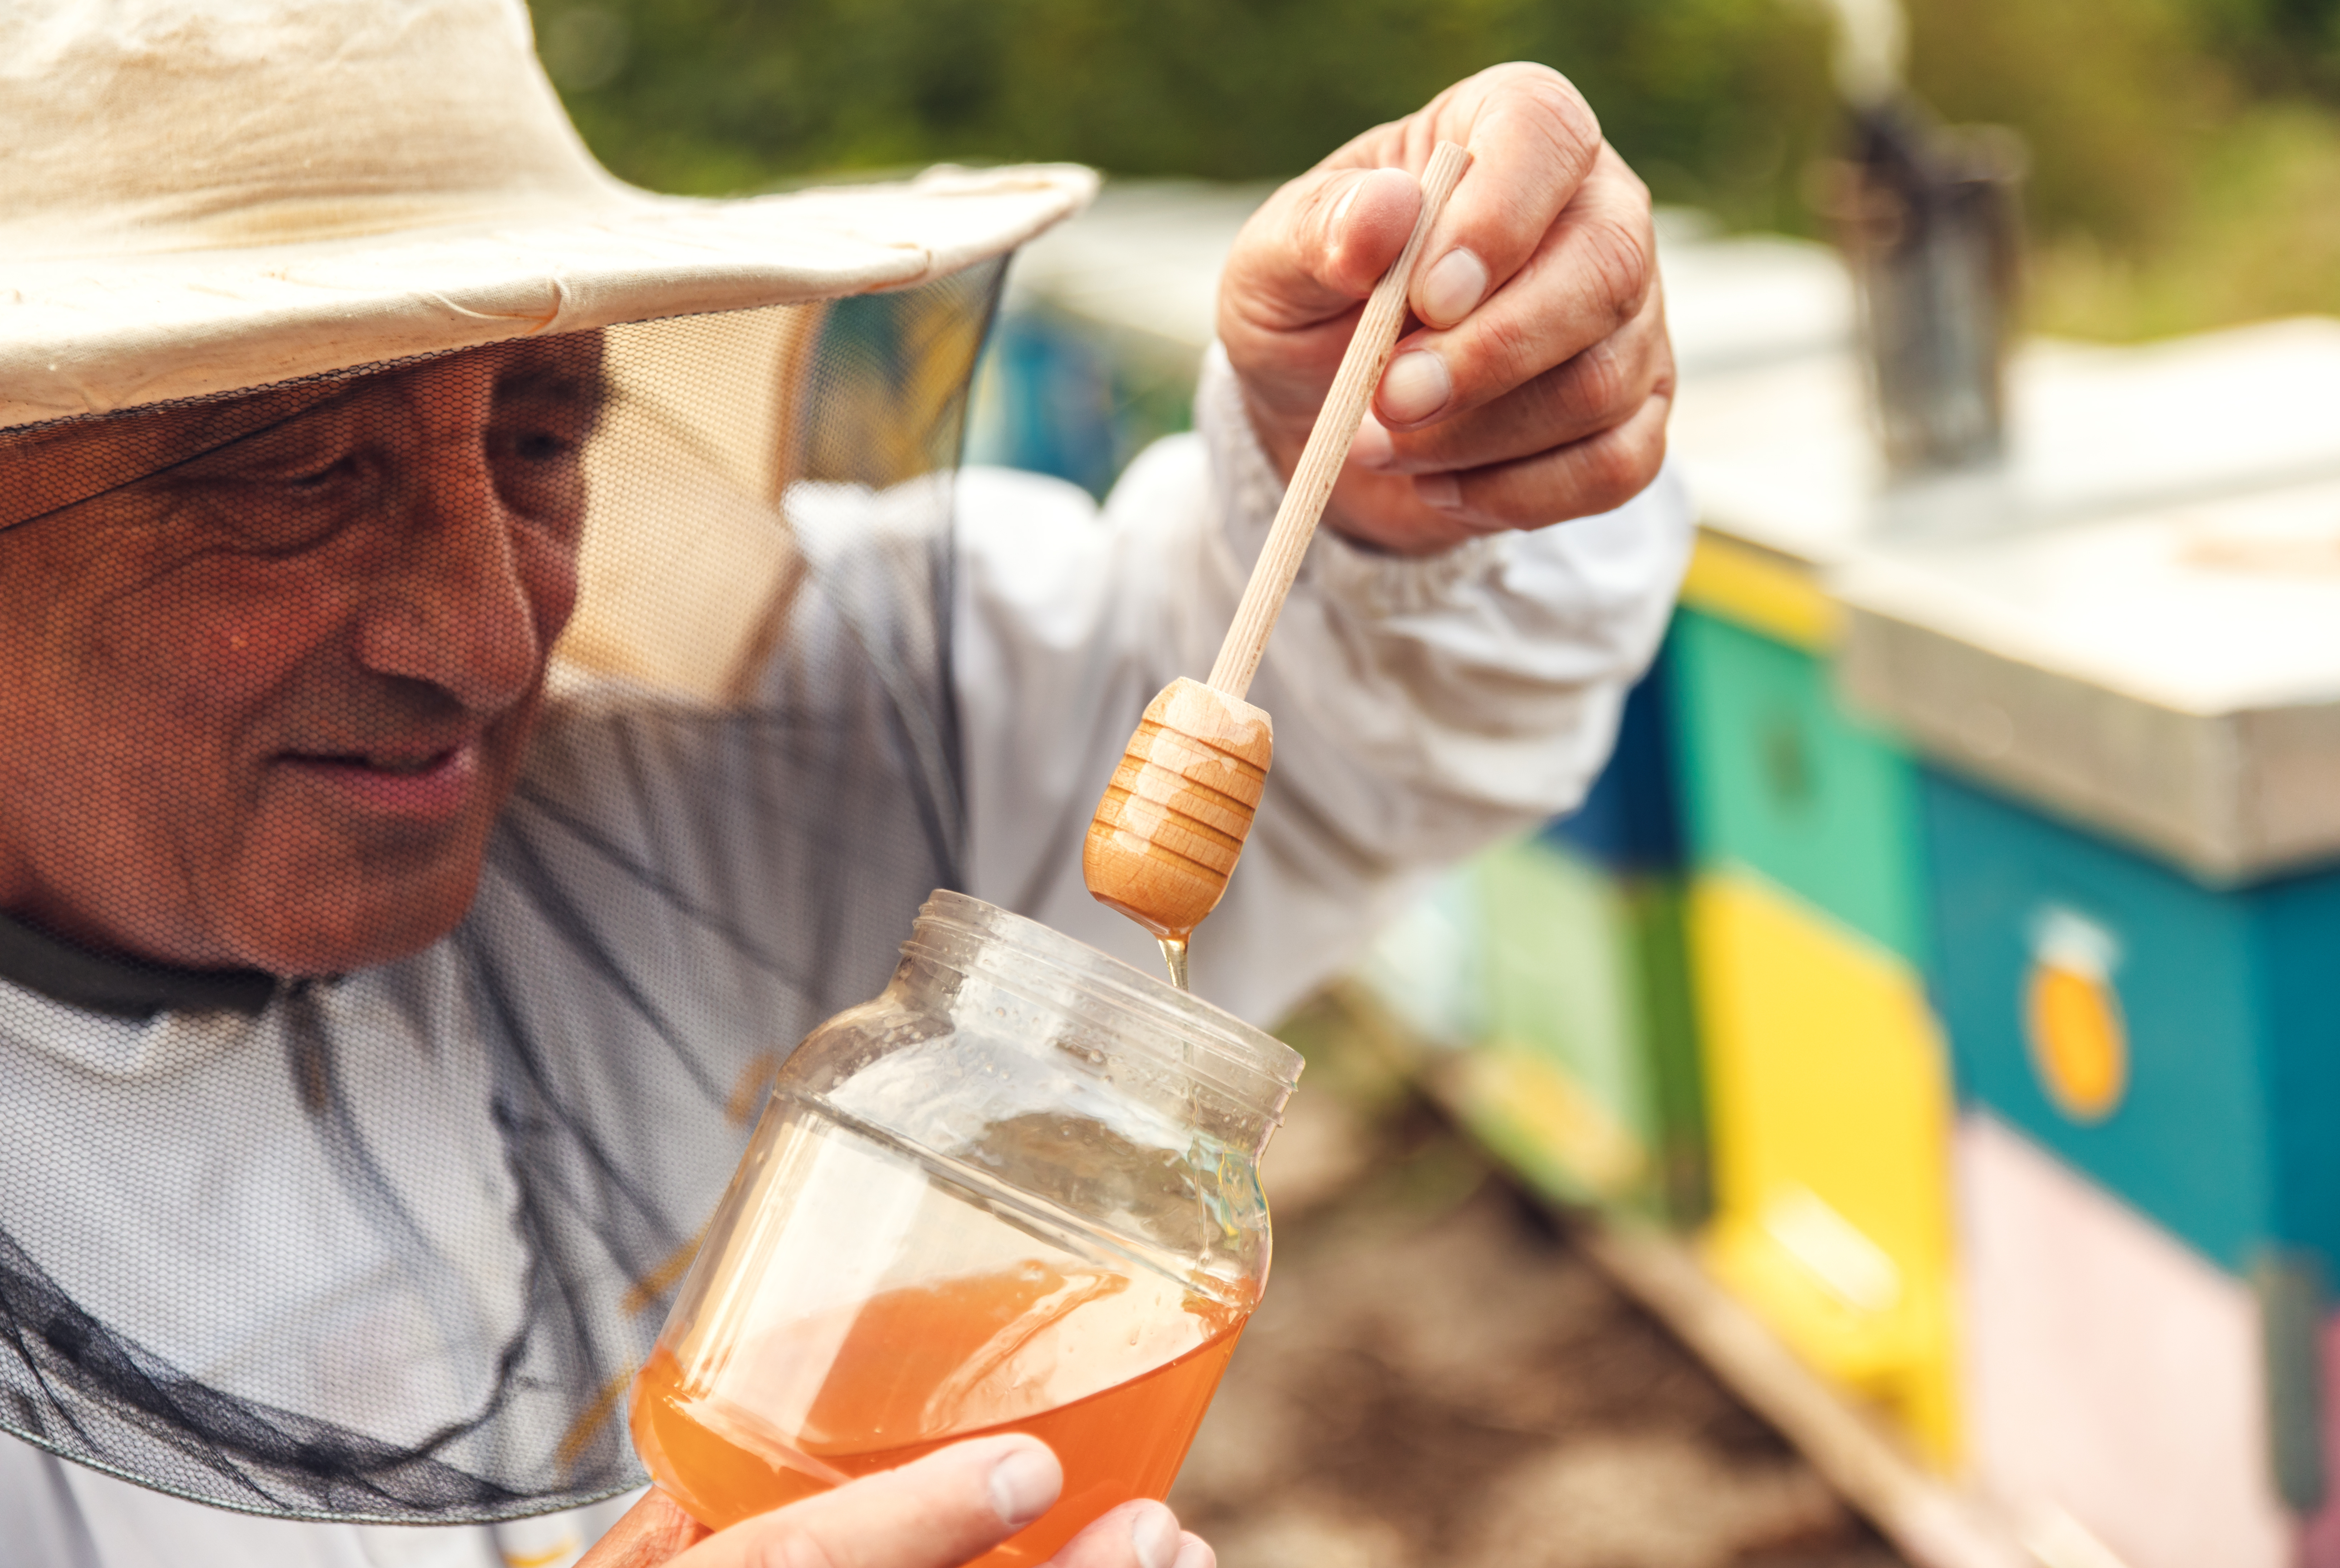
1630	821
2208	1095
2131	827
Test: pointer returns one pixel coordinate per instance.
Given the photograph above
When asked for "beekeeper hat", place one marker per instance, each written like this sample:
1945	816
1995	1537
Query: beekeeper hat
200	196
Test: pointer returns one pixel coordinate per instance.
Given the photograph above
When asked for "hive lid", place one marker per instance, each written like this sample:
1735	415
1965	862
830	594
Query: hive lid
2171	677
1781	455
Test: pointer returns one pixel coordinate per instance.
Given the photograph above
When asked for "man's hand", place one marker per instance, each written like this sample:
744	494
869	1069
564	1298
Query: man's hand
1536	384
940	1511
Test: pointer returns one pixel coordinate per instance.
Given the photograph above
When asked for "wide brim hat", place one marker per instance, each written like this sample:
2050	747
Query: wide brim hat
202	196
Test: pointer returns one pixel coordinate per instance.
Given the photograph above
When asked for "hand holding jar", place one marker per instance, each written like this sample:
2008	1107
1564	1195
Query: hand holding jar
939	1512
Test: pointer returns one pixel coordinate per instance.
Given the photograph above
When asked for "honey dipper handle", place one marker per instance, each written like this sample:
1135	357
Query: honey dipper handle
1328	441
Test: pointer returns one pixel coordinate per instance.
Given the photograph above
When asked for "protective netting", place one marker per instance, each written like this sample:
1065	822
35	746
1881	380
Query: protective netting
365	1201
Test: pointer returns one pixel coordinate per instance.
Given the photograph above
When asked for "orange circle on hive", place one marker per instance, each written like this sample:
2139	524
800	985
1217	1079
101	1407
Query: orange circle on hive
2079	1043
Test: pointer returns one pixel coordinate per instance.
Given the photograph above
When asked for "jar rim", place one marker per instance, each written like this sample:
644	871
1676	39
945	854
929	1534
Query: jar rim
1213	1030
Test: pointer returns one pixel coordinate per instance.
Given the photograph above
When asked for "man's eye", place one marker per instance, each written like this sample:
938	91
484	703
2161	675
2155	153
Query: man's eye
538	445
325	477
541	471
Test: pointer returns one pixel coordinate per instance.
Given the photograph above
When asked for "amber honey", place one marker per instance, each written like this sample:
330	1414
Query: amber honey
920	1367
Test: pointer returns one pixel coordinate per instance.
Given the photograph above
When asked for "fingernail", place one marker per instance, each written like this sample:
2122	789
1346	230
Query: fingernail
1193	1552
1372	448
1452	289
1025	1484
1442	491
1154	1532
1415	387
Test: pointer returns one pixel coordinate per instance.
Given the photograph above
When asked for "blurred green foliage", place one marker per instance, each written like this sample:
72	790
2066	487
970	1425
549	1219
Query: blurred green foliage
2185	154
1718	101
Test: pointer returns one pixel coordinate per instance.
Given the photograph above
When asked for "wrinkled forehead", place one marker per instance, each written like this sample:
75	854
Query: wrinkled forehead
46	468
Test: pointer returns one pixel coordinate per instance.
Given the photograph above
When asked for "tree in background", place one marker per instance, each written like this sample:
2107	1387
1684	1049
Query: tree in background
1719	102
2185	154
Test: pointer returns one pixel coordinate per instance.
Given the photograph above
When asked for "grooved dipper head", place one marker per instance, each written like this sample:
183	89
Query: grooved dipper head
1172	822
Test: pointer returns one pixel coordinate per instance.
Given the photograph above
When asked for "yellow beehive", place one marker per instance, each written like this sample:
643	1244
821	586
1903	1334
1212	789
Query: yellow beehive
1829	1105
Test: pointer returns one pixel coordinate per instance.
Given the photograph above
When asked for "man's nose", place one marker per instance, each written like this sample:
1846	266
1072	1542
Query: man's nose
453	608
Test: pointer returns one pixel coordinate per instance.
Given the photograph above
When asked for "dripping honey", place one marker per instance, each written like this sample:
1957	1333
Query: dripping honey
892	1383
1174	955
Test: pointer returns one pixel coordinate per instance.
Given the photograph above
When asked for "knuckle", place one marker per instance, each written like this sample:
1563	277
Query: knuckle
1653	458
1621	467
1616	472
1598	386
1561	111
1521	71
1621	263
1570	110
1510	353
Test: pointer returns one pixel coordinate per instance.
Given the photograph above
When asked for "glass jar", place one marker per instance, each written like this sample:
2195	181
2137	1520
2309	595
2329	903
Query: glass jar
1018	1192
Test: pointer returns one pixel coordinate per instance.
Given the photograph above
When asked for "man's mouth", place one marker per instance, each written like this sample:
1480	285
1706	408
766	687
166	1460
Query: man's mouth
399	766
399	781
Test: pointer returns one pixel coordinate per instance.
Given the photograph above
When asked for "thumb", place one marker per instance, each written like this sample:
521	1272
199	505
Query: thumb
939	1511
1316	248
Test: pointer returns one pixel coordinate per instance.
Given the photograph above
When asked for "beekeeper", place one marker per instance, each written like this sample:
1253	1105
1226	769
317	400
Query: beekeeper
488	657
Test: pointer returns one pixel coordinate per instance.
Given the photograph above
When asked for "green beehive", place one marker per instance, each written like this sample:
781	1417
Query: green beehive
1777	779
1586	1079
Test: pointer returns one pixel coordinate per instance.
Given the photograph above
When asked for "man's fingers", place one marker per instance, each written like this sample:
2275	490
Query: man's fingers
940	1511
1592	274
1295	284
1141	1534
1597	474
1533	140
1534	293
1317	247
1602	386
1322	242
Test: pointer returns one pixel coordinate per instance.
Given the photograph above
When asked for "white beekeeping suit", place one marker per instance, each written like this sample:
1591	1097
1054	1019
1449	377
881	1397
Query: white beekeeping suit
287	1264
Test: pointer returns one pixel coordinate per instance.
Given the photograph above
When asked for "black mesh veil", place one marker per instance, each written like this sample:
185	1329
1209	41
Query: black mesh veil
325	1192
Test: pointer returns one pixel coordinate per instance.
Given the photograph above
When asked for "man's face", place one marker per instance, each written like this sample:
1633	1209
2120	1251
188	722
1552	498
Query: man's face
261	709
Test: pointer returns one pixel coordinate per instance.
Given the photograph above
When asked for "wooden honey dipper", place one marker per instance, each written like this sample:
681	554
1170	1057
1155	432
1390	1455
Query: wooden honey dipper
1171	825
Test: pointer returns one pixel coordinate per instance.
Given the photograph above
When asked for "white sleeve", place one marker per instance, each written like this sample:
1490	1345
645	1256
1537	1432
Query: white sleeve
1421	707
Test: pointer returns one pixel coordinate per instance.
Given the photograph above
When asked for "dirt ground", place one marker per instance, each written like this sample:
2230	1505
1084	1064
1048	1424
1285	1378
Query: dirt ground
1437	1377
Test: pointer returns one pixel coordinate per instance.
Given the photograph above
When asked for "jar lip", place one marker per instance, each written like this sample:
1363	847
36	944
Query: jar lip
1212	1029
